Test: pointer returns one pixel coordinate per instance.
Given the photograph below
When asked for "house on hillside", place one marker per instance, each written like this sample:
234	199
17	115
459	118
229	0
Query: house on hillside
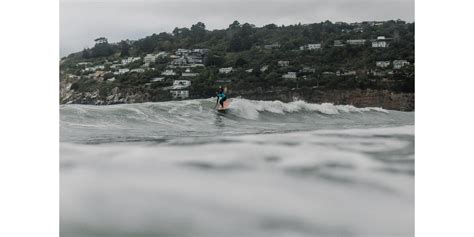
138	70
83	63
168	73
382	64
183	52
150	58
123	70
179	94
264	68
308	70
283	63
130	60
380	42
179	89
346	73
179	61
200	51
310	47
157	79
189	74
358	42
114	66
225	70
289	75
272	46
398	64
338	43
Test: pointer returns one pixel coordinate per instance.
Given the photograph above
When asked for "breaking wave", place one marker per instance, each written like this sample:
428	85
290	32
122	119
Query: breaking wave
164	120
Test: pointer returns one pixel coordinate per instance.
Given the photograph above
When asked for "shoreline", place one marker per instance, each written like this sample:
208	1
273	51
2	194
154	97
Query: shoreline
356	97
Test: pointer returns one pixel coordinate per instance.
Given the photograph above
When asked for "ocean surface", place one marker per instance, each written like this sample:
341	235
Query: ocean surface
262	169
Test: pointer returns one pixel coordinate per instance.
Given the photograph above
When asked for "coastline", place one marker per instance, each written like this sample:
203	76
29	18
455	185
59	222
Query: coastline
357	97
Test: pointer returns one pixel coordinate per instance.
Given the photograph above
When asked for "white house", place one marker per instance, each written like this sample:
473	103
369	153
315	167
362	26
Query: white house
183	52
289	75
264	68
139	70
346	73
377	73
283	63
197	65
272	46
380	42
123	70
130	60
398	64
249	70
225	70
189	74
179	94
168	73
180	84
150	58
338	43
157	79
83	63
308	69
91	69
310	47
356	42
200	51
382	64
194	60
114	66
179	61
111	79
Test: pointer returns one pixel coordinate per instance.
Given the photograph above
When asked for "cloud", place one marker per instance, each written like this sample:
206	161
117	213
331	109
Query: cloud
81	21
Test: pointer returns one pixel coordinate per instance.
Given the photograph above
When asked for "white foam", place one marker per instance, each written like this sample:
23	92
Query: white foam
250	109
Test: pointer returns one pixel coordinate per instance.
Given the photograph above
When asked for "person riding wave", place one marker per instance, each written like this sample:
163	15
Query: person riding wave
221	97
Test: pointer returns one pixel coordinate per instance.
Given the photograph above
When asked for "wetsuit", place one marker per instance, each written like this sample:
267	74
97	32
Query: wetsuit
221	98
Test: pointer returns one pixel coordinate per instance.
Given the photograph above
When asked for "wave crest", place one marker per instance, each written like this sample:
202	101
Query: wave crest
251	109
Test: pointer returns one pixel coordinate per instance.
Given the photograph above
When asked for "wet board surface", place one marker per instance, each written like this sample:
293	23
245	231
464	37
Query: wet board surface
226	106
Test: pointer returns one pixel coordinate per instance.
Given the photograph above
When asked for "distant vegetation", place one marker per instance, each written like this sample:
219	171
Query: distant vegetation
241	46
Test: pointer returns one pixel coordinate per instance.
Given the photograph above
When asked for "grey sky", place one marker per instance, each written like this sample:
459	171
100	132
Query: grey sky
81	21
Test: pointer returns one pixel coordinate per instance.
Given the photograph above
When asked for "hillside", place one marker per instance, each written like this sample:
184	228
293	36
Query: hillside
326	56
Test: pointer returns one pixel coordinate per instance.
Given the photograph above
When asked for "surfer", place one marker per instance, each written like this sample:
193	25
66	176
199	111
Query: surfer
221	97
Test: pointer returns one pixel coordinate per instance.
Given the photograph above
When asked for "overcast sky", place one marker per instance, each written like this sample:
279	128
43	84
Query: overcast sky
81	21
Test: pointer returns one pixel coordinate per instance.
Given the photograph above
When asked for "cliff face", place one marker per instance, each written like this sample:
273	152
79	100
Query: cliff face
358	98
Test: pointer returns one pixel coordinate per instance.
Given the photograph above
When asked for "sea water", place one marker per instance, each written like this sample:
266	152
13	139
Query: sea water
263	168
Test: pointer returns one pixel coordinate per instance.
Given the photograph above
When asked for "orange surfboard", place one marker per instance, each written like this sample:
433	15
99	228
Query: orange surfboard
226	106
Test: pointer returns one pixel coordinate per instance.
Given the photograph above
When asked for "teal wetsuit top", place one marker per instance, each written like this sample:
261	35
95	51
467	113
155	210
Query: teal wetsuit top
221	95
221	98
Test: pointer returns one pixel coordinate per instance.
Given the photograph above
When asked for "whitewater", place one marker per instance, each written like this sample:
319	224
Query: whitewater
263	168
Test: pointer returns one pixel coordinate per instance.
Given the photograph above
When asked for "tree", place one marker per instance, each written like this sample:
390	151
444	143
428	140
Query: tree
240	62
124	49
235	44
214	60
101	48
234	25
86	54
198	31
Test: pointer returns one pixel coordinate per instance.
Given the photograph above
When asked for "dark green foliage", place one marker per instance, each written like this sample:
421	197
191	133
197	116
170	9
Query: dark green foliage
240	62
241	46
124	49
102	48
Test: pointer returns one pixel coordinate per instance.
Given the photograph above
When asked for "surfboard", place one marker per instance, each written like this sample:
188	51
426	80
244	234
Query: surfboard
226	106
